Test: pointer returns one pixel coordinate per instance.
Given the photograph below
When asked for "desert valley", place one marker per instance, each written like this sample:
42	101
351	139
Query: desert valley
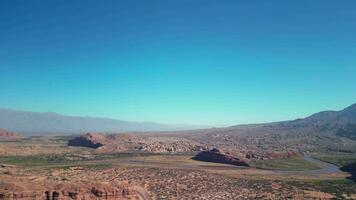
177	100
310	158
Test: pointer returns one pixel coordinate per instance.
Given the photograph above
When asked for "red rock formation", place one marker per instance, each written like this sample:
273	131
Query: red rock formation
269	155
214	155
4	134
91	140
76	191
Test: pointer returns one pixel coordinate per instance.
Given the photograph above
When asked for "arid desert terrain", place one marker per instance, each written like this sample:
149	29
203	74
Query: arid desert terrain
311	158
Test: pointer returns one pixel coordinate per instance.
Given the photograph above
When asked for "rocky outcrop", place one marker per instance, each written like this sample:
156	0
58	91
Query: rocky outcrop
170	147
4	134
269	155
91	140
123	142
214	155
76	191
282	154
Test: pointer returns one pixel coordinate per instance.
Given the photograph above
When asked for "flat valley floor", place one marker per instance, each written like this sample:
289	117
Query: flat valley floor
47	168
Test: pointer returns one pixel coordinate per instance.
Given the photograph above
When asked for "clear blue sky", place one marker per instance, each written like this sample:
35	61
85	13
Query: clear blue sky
197	62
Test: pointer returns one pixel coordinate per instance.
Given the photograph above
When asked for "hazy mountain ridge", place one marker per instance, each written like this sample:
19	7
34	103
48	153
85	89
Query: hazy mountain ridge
326	131
347	115
341	123
53	123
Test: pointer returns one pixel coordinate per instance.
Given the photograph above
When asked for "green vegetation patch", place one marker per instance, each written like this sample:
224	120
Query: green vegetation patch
34	160
292	164
98	166
51	161
88	166
337	158
66	160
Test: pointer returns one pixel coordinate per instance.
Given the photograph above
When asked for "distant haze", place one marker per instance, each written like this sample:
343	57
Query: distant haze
32	123
53	123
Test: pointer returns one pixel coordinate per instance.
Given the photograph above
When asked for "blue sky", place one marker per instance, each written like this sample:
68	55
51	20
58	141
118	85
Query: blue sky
198	62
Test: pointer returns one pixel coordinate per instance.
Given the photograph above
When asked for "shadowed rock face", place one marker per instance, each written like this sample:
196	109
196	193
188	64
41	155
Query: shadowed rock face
351	168
214	155
88	140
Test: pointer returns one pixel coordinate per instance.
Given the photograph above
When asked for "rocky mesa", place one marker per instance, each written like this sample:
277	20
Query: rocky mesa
215	155
88	140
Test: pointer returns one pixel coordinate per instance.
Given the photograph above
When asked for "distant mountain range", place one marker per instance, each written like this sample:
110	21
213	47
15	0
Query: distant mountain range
322	121
347	115
328	130
33	123
327	123
340	123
